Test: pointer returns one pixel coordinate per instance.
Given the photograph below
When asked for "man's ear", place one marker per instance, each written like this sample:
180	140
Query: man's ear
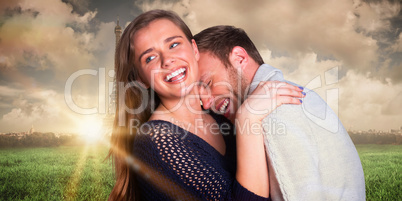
239	57
195	48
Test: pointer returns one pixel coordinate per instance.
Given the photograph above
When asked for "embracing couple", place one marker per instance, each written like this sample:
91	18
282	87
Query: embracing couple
213	122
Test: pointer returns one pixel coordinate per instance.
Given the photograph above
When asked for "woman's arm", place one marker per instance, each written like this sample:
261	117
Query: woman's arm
252	169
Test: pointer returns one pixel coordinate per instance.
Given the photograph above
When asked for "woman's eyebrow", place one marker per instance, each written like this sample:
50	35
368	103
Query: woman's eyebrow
145	52
171	38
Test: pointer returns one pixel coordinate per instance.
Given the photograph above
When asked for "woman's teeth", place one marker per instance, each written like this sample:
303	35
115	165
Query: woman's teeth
174	74
224	105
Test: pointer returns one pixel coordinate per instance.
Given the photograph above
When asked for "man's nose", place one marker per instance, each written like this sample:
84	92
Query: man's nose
206	98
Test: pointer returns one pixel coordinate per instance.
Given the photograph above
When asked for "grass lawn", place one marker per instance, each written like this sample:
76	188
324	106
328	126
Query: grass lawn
382	166
82	173
59	173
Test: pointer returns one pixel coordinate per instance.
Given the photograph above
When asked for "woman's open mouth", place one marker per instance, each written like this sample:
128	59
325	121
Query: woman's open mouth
177	75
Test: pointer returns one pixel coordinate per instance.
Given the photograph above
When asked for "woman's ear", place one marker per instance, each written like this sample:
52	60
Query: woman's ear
195	48
239	57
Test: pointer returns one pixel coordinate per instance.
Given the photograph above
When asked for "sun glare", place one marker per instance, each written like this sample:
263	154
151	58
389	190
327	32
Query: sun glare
90	129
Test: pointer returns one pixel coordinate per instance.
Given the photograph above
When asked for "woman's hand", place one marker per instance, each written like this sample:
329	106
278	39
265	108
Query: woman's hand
267	97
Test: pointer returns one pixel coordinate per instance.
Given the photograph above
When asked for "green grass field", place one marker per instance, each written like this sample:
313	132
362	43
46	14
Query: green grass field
382	166
80	173
60	173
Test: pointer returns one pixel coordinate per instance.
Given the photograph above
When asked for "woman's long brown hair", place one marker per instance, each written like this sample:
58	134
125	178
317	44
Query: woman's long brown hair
136	97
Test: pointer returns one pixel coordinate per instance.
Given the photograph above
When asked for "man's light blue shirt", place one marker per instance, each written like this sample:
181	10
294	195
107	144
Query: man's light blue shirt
311	156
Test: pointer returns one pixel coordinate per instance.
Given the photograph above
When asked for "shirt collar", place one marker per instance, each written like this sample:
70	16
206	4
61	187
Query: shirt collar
265	73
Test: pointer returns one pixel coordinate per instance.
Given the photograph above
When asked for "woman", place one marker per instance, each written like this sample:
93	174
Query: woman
163	145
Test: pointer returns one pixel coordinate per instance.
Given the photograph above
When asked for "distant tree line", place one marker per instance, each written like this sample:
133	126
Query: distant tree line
38	139
375	138
49	139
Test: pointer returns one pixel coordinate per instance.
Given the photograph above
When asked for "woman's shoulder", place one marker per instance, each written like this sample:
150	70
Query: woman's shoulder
155	128
159	133
154	137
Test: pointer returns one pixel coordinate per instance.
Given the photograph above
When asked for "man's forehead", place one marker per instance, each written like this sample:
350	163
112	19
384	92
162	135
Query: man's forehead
208	54
207	59
209	66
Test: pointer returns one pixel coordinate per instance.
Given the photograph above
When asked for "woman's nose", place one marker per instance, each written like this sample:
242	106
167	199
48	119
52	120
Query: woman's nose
167	61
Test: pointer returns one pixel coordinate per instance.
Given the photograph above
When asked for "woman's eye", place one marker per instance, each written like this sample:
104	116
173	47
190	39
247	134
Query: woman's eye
174	45
148	59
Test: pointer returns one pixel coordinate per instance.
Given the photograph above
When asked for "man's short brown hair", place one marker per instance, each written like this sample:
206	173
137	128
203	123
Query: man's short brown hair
220	41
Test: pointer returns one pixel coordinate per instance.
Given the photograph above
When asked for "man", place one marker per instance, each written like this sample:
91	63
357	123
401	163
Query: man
310	154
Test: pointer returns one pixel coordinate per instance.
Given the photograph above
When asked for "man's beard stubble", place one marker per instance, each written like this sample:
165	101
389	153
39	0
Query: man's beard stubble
239	84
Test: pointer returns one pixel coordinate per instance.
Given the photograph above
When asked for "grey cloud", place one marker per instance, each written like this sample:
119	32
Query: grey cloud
79	6
33	60
11	11
53	44
6	91
290	30
386	18
395	73
393	107
25	109
8	5
358	35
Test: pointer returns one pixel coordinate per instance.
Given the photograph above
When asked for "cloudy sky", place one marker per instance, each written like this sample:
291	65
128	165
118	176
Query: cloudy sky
349	51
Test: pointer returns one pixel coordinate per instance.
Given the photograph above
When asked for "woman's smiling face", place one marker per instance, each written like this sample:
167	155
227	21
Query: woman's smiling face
166	60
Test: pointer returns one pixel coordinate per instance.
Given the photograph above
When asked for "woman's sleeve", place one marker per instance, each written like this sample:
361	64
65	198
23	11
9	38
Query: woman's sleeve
241	193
